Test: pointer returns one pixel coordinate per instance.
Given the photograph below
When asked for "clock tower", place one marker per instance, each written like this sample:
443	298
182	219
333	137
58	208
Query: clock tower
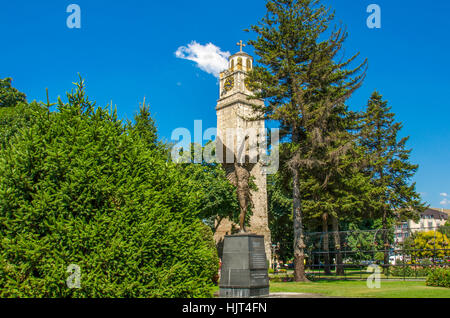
233	112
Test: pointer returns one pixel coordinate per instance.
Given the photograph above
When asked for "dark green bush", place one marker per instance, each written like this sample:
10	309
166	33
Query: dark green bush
410	271
80	187
439	277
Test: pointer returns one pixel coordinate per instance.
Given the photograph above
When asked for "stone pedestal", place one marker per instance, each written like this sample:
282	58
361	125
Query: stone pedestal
244	270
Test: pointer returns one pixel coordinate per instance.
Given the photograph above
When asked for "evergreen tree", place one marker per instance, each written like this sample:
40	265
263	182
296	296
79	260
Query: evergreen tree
14	111
279	193
337	189
10	96
304	89
79	187
393	195
145	126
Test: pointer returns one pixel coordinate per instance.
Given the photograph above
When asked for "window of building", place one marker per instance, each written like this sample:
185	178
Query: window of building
239	63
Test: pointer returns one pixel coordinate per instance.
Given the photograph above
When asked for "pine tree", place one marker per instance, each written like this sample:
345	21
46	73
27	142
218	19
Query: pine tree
279	193
145	126
336	190
304	88
393	195
15	112
10	96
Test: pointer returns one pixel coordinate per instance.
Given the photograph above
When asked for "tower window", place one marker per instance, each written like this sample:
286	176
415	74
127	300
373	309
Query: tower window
239	63
249	64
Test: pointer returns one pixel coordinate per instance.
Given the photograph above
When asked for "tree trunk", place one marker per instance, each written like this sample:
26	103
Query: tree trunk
337	246
325	243
299	243
385	240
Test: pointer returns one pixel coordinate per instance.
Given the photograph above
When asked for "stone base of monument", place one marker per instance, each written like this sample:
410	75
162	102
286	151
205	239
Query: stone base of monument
244	270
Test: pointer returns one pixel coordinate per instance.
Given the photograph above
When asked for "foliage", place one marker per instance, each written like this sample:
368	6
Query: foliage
393	195
13	119
284	278
389	165
280	216
14	111
218	196
410	271
80	187
304	89
10	96
145	128
445	229
362	243
431	244
439	278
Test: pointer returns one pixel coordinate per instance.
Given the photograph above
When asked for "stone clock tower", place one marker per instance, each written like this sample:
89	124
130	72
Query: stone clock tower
233	111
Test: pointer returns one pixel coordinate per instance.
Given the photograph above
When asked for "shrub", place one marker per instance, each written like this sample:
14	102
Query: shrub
80	187
440	277
431	244
284	278
281	278
410	271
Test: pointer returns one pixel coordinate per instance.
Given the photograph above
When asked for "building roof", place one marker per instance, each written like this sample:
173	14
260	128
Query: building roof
435	213
241	54
442	210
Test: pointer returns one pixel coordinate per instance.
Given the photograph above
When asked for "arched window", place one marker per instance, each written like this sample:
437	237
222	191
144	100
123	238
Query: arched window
232	65
249	64
239	64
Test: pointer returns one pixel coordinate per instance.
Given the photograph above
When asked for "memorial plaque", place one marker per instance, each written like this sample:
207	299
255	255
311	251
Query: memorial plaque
244	267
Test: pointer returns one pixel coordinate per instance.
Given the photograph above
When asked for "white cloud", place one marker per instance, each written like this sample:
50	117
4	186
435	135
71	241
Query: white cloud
208	57
445	200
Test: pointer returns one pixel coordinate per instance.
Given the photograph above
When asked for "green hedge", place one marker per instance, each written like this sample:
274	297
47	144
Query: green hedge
409	271
77	186
440	277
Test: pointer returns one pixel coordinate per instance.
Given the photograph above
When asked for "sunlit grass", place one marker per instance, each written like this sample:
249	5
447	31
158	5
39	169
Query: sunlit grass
355	289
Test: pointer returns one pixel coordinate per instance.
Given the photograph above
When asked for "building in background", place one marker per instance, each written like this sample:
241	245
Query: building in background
430	220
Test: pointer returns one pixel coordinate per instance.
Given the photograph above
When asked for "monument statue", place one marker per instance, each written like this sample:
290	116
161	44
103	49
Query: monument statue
239	176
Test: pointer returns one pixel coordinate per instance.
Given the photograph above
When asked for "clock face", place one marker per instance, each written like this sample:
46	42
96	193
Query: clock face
229	83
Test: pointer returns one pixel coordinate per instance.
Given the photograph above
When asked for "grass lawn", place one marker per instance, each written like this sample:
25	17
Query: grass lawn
349	274
352	289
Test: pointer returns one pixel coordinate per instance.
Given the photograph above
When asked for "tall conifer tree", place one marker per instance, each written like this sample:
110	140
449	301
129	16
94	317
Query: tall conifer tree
304	87
394	196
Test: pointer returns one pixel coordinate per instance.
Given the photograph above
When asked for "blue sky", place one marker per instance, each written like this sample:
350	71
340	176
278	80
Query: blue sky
126	50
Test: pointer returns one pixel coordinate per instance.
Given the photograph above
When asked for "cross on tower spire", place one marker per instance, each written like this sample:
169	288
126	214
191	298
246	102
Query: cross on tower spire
240	44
